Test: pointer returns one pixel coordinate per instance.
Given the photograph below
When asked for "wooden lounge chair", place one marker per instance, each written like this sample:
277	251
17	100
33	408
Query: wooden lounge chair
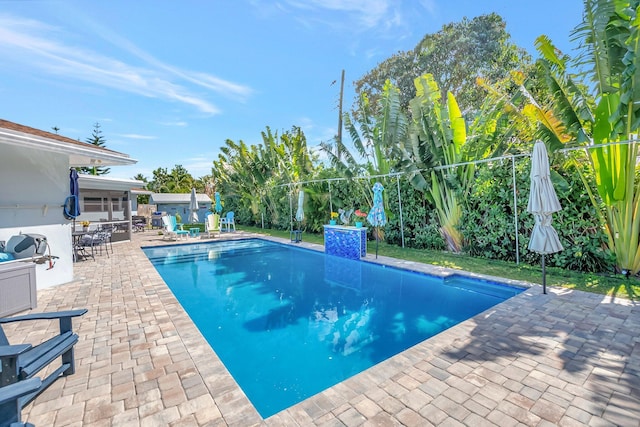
23	361
212	224
171	229
10	408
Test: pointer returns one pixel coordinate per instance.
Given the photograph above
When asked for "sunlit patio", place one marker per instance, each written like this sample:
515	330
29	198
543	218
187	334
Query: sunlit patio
566	358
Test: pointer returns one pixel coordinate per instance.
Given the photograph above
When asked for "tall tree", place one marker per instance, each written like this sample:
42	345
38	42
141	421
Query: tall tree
98	140
609	37
142	198
456	55
158	183
179	180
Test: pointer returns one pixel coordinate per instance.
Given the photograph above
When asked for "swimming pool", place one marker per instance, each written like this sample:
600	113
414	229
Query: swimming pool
289	322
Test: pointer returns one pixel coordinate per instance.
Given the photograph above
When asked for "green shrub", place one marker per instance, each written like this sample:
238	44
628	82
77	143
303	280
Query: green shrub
488	221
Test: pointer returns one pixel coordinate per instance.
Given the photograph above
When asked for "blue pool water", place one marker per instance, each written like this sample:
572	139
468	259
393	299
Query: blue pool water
289	322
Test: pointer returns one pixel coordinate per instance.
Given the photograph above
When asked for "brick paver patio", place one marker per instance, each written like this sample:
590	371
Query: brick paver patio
567	358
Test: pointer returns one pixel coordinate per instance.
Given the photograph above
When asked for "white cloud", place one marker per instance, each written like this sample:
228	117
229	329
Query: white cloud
177	123
40	46
369	13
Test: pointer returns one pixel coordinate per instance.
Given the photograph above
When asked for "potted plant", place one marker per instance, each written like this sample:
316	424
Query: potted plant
334	215
85	225
360	215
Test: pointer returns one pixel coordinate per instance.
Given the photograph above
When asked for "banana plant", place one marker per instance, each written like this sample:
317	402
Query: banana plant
255	174
601	113
610	57
435	142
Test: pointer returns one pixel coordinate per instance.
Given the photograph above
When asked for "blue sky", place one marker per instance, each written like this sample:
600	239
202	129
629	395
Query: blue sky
170	81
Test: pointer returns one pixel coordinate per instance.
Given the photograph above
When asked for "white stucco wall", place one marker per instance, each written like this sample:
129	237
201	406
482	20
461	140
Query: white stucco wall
38	182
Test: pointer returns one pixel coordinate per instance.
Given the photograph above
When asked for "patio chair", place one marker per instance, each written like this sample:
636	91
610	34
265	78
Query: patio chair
139	223
171	229
168	233
228	221
88	244
24	361
10	409
104	239
212	224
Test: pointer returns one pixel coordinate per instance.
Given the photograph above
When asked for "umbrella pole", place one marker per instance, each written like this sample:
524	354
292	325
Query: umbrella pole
376	242
544	277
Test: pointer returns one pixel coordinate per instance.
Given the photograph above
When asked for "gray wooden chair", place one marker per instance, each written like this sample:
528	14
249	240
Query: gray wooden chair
23	361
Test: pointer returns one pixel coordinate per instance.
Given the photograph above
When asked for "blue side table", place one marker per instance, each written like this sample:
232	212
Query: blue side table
194	232
345	241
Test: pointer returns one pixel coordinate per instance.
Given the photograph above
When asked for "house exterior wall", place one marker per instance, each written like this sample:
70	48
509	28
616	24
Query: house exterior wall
94	205
34	187
183	209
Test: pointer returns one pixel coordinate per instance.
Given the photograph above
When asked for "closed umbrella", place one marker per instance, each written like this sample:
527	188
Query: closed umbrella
71	209
193	207
218	207
376	216
72	204
300	211
543	202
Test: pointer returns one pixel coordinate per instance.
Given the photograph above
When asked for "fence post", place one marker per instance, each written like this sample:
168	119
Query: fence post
515	207
400	205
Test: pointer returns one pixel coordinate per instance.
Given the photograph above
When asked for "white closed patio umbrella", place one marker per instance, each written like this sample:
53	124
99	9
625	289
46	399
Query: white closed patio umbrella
376	215
193	208
543	202
300	211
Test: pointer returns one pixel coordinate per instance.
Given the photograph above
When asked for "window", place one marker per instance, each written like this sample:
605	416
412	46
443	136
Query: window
93	204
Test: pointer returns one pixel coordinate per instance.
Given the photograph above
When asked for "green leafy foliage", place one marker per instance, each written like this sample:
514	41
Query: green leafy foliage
488	220
455	55
179	180
253	179
419	220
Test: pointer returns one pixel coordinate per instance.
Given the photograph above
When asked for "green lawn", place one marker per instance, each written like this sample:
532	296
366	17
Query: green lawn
614	285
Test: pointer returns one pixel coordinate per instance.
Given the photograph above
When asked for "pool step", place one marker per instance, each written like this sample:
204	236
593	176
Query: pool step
203	252
480	286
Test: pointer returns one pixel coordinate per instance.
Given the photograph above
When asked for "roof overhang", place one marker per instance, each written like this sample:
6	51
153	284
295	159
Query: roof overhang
79	155
141	192
101	182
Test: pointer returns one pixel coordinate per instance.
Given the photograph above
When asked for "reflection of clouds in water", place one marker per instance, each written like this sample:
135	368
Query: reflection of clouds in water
323	321
358	336
398	327
432	327
194	272
171	257
347	334
330	315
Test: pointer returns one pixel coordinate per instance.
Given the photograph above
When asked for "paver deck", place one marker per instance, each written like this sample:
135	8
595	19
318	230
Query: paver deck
566	358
